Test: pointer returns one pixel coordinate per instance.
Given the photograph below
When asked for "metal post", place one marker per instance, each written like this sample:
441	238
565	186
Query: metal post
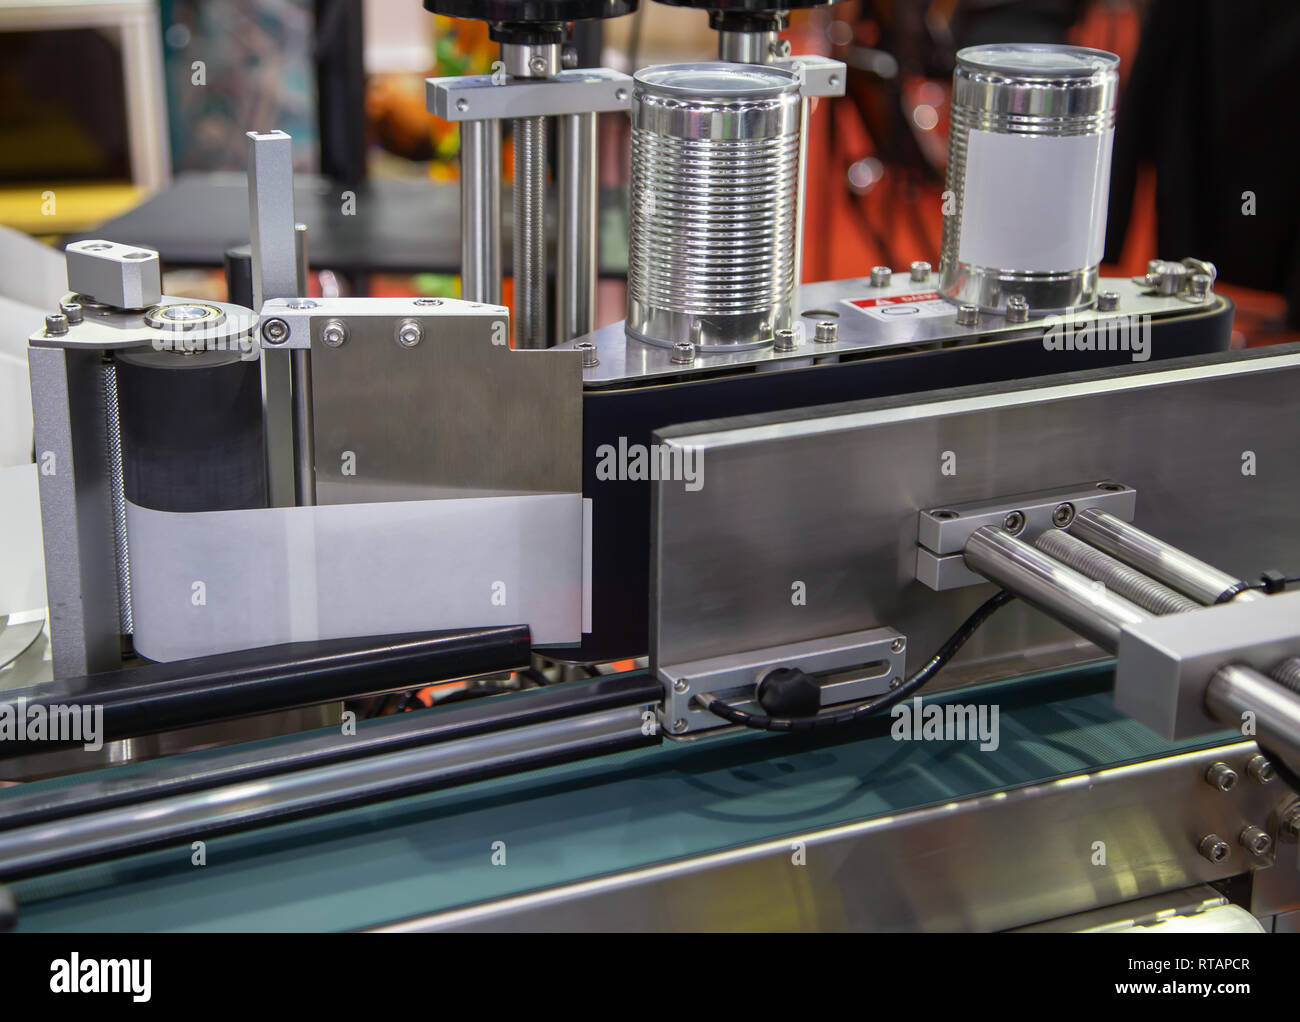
480	211
304	435
275	275
576	241
1043	582
1151	556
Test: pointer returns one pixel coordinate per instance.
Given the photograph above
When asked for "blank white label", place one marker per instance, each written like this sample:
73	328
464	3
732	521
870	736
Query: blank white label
217	581
1035	204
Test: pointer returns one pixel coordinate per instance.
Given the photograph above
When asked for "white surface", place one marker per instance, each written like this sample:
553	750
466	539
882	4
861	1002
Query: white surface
1036	204
22	565
288	574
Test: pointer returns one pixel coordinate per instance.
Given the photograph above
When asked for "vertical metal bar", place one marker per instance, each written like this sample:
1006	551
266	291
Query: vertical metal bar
275	275
530	232
576	241
480	211
76	510
304	437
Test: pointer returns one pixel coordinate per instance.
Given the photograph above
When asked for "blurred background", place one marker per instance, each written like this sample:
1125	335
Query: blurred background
127	117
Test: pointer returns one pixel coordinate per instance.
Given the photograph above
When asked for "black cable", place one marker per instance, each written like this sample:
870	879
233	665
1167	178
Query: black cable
762	722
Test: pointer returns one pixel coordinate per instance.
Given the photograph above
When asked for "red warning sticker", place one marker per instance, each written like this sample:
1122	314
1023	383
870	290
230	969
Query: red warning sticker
891	308
912	299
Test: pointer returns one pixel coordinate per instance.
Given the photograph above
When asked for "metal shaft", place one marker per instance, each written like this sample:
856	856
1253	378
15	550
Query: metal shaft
530	232
1237	690
304	430
575	274
748	47
1043	582
1202	582
1288	673
480	211
1130	583
117	496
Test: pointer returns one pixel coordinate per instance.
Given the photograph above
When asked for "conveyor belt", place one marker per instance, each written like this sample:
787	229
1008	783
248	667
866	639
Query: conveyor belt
368	866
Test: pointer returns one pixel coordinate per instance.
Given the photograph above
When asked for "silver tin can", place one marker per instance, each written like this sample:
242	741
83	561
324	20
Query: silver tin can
1028	176
715	161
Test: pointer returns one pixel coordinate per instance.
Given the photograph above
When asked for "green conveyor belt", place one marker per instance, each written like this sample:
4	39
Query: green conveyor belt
425	853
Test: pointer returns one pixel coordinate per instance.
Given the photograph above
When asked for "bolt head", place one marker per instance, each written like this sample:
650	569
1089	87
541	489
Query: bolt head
56	325
1063	515
784	340
1214	848
275	331
898	644
71	312
968	315
409	333
1261	770
683	353
681	685
678	726
1014	522
920	271
590	356
1221	776
881	276
334	333
827	332
1108	301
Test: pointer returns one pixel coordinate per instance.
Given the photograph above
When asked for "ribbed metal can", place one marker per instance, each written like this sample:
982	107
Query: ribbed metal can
1028	175
715	161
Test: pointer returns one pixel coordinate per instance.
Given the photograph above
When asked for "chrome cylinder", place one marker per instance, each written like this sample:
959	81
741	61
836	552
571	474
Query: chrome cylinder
1043	582
530	232
575	242
1204	583
1028	176
1114	574
480	211
1236	690
715	161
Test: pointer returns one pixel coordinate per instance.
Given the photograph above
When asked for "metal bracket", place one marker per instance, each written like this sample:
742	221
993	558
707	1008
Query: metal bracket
942	532
852	667
493	98
819	76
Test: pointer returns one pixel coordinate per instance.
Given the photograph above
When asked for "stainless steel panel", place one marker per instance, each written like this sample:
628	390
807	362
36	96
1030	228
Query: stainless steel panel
989	863
76	510
623	358
829	500
458	414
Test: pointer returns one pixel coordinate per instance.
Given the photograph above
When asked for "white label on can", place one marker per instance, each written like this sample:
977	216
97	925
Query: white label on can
1035	203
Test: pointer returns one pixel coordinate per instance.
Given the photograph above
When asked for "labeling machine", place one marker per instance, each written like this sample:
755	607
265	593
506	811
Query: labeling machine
953	598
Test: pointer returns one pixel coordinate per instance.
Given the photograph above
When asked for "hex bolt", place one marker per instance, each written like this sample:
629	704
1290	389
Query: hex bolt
827	332
1108	301
334	333
1214	848
1198	286
968	315
1221	776
683	353
681	685
590	357
881	276
537	65
919	271
679	725
1017	309
1014	522
56	325
409	333
71	312
1255	840
1063	515
1260	769
783	340
275	331
898	645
